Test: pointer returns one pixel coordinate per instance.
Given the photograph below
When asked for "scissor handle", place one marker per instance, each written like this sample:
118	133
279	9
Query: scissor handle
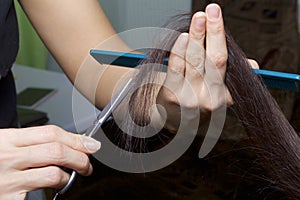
103	116
67	186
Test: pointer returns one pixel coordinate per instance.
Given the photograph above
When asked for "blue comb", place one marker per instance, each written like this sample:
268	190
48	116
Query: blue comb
272	79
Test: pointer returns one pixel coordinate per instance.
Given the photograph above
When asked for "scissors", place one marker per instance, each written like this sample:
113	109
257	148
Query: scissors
101	118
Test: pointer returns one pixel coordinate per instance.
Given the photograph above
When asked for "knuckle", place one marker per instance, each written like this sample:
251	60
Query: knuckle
176	64
172	100
208	107
193	59
193	106
195	33
220	59
168	95
191	103
84	163
177	52
190	107
212	106
78	142
57	152
54	176
50	133
52	128
215	28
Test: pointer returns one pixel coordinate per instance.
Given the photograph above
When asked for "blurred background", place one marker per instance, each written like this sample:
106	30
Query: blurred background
266	30
122	14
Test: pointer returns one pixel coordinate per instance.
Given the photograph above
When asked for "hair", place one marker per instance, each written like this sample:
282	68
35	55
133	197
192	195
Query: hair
274	140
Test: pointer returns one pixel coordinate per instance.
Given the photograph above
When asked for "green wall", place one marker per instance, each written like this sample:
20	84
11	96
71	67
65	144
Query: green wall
32	51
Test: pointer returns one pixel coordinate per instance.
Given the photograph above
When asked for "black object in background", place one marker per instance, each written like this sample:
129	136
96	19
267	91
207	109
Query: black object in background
32	97
29	117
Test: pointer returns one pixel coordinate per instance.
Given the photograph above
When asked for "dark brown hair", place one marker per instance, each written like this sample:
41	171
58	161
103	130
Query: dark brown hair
274	140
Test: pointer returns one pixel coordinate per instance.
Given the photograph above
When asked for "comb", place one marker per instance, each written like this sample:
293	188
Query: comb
272	79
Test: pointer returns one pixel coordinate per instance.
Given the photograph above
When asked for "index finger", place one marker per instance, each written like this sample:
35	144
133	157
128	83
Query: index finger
49	134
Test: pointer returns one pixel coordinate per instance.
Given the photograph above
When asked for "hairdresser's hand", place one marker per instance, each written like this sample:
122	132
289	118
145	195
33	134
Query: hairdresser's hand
30	159
197	66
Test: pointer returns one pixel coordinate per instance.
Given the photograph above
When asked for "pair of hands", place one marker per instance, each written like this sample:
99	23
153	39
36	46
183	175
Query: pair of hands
30	158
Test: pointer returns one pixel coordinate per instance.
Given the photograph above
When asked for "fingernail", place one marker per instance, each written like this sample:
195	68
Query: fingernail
91	144
213	11
200	21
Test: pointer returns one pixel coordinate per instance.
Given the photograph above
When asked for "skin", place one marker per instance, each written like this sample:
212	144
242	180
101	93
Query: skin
70	29
197	69
31	162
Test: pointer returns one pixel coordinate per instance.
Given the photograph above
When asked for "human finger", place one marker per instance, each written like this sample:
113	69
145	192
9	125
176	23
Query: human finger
46	177
176	64
53	154
216	49
253	64
51	134
216	58
195	53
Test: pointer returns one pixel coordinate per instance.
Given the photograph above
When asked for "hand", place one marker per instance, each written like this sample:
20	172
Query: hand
30	159
197	66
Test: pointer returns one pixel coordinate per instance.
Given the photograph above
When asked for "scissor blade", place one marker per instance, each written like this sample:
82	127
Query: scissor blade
109	108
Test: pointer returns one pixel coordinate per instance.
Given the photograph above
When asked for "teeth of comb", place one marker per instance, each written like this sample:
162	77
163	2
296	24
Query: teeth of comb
280	84
272	79
279	80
